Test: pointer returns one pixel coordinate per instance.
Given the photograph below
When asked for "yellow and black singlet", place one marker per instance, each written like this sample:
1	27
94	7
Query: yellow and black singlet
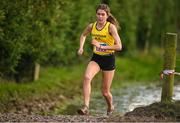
103	36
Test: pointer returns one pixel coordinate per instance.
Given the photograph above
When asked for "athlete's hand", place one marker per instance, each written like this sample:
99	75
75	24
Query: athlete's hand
95	43
80	51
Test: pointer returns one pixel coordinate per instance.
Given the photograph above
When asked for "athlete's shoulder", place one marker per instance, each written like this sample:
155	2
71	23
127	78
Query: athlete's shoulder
89	27
112	27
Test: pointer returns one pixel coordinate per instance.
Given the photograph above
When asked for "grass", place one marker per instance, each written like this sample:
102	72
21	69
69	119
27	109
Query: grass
52	81
139	68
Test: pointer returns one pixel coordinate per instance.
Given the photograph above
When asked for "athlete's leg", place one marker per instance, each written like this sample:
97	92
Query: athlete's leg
107	80
91	70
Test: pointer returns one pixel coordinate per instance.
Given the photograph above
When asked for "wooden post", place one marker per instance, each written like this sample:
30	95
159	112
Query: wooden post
170	45
36	71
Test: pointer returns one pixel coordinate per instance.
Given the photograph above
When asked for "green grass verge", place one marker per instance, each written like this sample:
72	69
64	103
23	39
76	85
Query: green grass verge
53	81
139	68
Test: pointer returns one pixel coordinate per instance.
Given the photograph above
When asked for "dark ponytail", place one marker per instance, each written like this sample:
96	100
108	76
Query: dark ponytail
113	20
110	18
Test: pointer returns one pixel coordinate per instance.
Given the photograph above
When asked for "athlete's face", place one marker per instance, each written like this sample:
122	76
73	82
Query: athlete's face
101	16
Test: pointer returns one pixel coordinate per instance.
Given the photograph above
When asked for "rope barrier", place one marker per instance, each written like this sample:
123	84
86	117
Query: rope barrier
168	72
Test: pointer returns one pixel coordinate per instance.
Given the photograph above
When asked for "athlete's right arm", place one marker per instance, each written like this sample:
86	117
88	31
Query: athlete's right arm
83	38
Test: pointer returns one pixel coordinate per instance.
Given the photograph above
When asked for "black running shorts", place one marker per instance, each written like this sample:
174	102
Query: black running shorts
105	62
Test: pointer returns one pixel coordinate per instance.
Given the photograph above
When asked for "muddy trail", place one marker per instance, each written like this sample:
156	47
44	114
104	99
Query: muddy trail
12	117
151	113
43	110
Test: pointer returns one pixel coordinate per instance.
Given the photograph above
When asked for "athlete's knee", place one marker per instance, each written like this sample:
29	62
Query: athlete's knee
106	93
87	77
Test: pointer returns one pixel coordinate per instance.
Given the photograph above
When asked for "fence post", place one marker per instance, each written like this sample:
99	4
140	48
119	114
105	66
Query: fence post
170	45
36	71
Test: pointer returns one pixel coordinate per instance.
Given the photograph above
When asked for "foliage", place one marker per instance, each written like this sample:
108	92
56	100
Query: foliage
27	28
48	31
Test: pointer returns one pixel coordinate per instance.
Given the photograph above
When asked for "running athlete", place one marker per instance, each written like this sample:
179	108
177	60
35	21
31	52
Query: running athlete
105	41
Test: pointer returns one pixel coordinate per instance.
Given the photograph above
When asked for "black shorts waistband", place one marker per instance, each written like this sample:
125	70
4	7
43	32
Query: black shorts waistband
110	54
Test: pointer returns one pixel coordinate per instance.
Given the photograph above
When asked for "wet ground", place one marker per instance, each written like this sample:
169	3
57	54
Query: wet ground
131	106
128	98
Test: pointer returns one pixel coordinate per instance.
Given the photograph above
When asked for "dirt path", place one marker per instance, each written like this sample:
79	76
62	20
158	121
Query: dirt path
11	117
50	118
141	114
26	113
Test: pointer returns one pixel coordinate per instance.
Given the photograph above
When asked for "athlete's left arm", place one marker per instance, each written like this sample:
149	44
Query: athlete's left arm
117	41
